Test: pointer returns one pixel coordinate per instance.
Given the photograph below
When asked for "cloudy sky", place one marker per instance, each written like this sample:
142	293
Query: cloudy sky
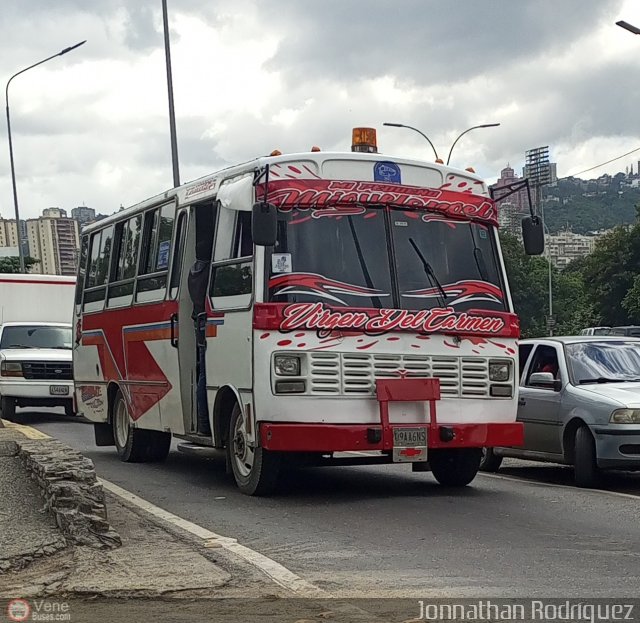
91	127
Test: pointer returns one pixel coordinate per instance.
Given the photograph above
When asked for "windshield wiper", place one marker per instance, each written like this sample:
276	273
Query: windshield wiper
600	379
478	256
430	273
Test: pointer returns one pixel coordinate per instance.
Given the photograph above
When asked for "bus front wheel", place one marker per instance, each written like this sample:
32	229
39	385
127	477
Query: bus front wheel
455	467
136	445
255	469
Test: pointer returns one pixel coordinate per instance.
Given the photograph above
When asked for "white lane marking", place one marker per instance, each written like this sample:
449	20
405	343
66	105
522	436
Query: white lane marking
274	570
559	486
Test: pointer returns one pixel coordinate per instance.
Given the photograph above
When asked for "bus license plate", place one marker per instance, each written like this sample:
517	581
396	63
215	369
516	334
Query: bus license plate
58	390
409	444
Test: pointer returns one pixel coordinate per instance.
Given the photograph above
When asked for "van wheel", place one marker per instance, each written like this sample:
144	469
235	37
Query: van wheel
135	445
490	461
585	467
255	470
455	467
8	409
68	410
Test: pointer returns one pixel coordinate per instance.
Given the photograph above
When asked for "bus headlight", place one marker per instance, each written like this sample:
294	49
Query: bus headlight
499	371
625	416
10	368
287	365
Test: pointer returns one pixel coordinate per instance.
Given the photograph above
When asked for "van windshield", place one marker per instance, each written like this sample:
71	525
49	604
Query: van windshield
36	336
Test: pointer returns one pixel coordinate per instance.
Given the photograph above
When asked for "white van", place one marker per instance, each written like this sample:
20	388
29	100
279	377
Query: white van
596	331
36	368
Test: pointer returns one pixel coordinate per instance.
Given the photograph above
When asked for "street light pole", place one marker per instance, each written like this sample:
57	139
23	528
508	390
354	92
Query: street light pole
630	27
475	127
172	112
401	125
13	171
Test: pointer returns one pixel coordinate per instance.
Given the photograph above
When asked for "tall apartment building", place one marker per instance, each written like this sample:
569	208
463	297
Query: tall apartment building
9	234
54	240
512	208
83	214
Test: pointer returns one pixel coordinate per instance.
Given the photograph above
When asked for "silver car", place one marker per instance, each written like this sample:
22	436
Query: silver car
579	401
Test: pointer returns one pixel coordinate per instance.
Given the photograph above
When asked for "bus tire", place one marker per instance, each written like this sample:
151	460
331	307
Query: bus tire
8	408
455	467
132	444
490	461
585	467
255	470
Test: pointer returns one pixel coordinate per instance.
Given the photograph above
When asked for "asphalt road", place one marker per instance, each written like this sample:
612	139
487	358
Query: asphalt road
385	531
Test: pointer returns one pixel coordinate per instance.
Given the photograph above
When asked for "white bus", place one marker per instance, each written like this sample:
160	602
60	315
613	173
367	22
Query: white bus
315	307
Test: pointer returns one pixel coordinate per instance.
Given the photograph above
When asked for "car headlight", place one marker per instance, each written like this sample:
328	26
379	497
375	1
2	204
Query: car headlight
499	371
10	368
625	416
287	365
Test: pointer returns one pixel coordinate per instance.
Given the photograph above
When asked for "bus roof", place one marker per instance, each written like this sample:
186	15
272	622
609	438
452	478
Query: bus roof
207	186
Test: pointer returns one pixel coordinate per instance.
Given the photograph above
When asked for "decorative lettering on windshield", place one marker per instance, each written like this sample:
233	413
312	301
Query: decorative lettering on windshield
462	292
306	194
317	317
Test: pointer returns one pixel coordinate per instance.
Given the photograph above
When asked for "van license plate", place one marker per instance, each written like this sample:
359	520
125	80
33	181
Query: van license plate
58	390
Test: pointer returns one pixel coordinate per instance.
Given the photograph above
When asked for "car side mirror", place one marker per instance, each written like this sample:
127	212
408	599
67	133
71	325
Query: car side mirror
545	380
533	235
264	224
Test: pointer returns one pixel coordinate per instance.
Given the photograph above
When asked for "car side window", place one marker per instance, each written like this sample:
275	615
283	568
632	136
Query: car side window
524	350
545	359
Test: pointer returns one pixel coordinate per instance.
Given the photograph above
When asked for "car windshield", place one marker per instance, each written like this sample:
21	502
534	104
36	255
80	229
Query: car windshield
600	362
376	257
36	336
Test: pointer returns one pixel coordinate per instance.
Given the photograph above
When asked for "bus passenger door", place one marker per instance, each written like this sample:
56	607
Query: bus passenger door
229	326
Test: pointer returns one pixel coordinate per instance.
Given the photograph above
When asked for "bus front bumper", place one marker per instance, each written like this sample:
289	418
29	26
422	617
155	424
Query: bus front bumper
327	438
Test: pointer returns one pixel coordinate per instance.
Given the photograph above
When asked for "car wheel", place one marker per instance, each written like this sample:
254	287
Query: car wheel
255	470
136	445
8	409
490	461
584	463
455	467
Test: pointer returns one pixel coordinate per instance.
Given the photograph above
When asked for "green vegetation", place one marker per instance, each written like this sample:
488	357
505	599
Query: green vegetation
586	206
602	289
12	264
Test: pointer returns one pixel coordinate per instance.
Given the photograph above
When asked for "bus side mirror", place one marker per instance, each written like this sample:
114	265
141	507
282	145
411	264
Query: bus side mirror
264	221
533	235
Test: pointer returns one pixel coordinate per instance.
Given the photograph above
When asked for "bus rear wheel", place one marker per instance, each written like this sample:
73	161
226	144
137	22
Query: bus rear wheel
255	469
455	467
136	445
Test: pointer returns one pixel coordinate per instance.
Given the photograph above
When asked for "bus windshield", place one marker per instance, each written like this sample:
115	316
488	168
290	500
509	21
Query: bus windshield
377	257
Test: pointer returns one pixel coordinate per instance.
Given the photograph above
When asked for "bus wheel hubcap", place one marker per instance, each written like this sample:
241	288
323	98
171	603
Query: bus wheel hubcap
122	424
242	452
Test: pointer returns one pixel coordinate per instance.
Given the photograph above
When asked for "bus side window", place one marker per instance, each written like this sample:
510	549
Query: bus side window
231	284
98	273
156	251
126	248
82	268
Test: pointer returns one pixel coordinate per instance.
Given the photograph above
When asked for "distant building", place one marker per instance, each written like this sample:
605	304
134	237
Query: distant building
9	252
564	247
512	208
83	214
54	240
9	234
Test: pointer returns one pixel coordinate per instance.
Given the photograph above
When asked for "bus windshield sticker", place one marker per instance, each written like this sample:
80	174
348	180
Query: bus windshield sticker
163	255
281	263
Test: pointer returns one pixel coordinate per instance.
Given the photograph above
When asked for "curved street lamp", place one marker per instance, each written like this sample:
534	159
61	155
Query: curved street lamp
13	173
475	127
401	125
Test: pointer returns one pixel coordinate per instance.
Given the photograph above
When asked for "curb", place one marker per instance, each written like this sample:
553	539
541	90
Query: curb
68	484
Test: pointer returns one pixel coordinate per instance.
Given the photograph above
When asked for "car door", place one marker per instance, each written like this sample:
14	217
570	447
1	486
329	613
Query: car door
539	407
